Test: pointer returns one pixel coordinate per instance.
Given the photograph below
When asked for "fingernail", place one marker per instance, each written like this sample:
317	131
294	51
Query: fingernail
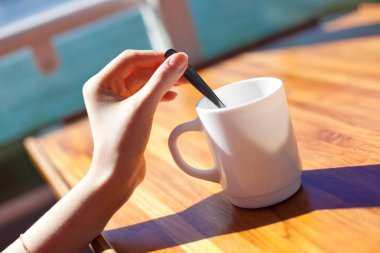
178	61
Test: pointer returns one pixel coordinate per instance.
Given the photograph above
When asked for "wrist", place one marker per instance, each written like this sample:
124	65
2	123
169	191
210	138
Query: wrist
116	182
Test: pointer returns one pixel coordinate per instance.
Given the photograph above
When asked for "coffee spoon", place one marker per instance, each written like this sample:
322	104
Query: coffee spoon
194	78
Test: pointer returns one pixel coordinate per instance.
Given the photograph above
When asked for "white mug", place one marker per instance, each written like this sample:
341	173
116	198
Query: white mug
251	141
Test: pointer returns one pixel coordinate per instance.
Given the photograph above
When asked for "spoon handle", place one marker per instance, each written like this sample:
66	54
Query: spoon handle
194	78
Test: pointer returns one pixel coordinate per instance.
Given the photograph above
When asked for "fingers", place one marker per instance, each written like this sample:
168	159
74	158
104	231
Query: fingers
181	81
169	96
124	63
137	79
145	72
140	77
167	74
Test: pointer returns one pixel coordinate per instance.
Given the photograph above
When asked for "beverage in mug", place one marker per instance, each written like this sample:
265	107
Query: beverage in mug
252	143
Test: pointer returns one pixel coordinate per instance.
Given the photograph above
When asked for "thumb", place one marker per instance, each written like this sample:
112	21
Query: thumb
165	77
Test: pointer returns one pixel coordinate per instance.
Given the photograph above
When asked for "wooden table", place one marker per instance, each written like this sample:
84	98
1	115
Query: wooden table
333	91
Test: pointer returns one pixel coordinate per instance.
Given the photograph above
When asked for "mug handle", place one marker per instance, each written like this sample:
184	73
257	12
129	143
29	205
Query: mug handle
195	125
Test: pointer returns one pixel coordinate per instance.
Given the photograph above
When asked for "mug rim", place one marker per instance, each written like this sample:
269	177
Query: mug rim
236	107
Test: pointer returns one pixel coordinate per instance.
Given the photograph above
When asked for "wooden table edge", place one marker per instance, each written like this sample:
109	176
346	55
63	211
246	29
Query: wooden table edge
60	187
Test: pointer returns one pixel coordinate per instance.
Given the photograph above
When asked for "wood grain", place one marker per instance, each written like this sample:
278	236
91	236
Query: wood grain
333	91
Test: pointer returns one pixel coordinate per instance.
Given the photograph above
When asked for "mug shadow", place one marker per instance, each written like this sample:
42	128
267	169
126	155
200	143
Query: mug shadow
335	188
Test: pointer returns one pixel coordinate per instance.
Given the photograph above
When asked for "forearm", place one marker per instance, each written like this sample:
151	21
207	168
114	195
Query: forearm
76	219
120	100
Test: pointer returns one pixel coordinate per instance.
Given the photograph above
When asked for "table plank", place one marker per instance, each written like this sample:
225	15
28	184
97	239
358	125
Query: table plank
333	94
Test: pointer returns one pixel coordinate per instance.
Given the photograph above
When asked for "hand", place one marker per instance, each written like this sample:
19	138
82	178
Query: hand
121	100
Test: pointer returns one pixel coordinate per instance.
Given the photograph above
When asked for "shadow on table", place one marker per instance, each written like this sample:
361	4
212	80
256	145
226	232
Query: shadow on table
337	188
318	35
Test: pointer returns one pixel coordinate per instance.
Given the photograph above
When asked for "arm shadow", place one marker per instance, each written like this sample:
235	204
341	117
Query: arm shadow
335	188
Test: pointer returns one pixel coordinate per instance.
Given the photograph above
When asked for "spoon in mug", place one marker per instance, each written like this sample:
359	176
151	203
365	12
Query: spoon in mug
194	78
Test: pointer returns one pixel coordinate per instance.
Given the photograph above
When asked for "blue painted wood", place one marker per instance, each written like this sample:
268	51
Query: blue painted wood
224	25
30	100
